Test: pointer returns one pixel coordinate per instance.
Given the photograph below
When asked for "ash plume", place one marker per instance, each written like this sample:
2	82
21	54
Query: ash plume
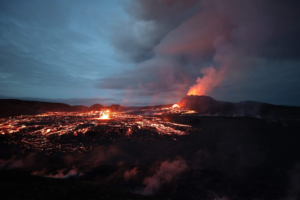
200	46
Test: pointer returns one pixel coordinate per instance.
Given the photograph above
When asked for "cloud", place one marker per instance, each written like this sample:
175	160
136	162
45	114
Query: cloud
52	49
186	39
155	48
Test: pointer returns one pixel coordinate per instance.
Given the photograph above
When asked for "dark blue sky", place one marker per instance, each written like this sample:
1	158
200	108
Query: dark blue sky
142	52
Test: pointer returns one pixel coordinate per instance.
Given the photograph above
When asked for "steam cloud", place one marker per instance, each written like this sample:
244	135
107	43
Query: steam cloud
130	174
294	191
196	46
97	157
167	171
15	163
61	173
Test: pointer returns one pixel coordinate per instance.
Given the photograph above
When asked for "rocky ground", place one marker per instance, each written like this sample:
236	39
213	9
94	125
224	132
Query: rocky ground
227	158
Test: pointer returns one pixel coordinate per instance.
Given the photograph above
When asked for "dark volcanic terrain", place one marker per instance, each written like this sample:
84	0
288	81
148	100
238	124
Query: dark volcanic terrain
204	105
221	157
209	106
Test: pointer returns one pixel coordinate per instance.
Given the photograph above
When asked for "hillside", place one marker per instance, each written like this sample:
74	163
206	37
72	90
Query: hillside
209	106
204	105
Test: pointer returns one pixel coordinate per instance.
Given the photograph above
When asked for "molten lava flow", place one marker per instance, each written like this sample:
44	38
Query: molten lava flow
104	115
175	106
129	132
36	129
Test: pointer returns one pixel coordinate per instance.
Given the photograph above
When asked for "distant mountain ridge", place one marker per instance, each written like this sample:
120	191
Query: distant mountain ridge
204	105
12	107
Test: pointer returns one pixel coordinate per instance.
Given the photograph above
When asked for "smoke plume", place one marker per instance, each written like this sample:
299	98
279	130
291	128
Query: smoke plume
165	174
130	174
205	85
16	163
60	173
198	46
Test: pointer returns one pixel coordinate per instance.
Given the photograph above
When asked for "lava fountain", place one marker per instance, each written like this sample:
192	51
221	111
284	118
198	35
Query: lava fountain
104	115
175	106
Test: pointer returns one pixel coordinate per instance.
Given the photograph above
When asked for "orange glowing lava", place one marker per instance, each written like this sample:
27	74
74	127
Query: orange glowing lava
175	106
104	115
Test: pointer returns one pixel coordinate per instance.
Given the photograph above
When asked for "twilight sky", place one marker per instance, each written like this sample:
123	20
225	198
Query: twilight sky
145	52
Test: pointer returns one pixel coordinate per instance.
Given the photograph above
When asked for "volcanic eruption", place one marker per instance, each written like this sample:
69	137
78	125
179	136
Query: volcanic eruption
175	106
104	114
153	99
